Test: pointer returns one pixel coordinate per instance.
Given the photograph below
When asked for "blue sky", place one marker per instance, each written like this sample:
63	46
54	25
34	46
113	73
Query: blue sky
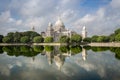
101	17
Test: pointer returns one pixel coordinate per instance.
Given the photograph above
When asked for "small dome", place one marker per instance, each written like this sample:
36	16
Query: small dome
49	24
84	28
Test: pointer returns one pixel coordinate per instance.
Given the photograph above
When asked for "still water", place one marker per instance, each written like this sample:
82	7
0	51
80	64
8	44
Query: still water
59	63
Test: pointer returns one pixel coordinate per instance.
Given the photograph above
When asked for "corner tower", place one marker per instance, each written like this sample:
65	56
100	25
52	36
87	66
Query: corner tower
49	31
84	32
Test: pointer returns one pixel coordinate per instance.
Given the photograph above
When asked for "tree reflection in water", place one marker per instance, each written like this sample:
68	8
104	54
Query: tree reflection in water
56	54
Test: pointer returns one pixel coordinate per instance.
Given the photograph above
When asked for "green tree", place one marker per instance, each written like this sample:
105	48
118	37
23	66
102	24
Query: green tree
102	39
76	38
38	39
1	37
30	34
17	36
48	39
25	39
64	39
117	37
11	36
94	38
112	37
88	39
117	31
6	39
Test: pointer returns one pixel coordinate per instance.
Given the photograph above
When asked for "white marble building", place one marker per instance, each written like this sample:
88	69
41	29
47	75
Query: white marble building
58	29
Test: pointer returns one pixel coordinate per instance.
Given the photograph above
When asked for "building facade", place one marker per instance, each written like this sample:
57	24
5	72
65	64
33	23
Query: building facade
58	29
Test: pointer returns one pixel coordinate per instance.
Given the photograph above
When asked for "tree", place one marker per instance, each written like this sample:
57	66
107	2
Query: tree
100	39
94	38
112	37
64	39
117	37
30	34
48	39
76	38
38	39
17	36
25	39
11	36
1	37
88	39
6	39
117	31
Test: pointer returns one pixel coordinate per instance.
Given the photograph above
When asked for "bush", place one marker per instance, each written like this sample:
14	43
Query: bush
6	39
38	39
64	39
25	39
48	39
76	38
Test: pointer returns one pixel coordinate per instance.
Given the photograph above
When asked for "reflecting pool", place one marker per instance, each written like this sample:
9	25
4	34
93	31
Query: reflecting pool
59	63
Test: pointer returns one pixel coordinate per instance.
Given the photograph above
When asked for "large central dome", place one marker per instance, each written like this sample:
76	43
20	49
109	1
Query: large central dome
59	25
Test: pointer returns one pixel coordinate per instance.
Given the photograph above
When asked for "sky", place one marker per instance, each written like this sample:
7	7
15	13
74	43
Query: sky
101	17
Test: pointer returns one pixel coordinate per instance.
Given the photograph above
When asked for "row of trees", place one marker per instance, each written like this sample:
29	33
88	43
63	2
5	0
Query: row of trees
31	36
24	37
17	37
114	37
76	38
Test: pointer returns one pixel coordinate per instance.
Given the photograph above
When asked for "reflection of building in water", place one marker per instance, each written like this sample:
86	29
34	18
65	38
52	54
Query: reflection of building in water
59	60
84	54
49	57
56	57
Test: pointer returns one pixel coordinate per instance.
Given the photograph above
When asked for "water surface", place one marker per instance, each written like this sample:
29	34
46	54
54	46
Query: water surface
59	63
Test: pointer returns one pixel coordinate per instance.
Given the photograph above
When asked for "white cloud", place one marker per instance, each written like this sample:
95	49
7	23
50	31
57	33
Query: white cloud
115	3
37	8
5	16
38	13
